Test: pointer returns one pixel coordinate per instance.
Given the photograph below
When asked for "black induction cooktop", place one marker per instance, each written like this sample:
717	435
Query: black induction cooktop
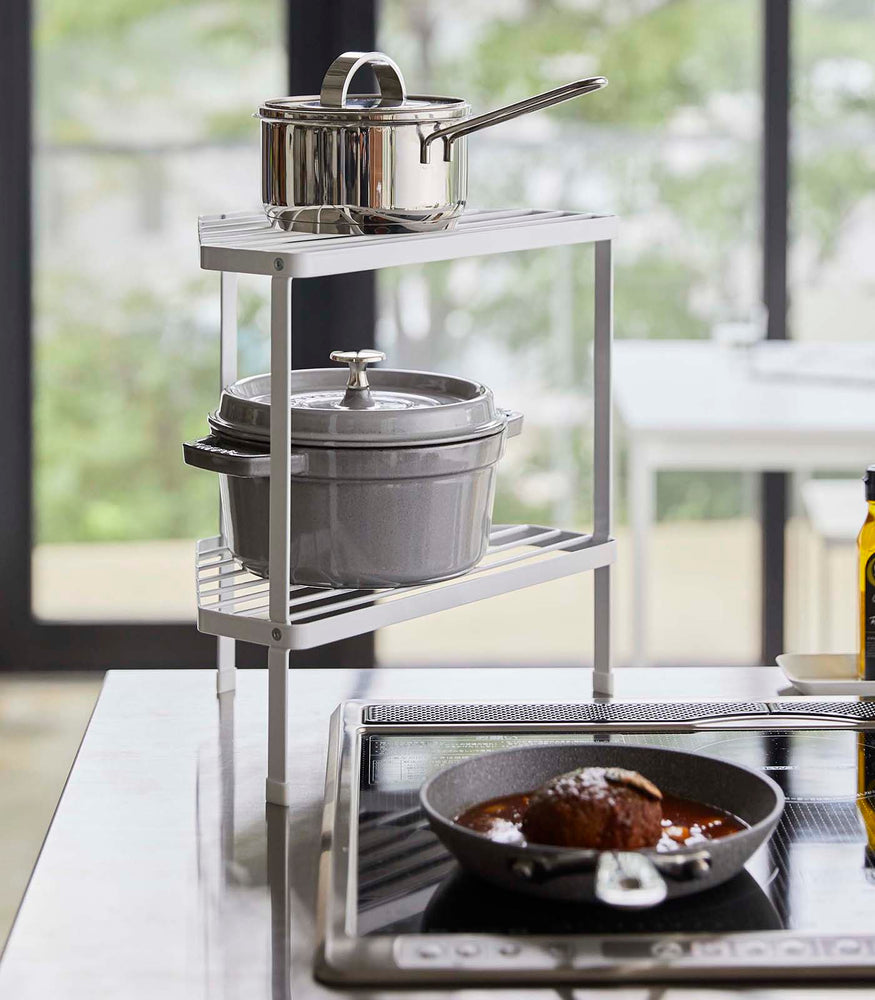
396	907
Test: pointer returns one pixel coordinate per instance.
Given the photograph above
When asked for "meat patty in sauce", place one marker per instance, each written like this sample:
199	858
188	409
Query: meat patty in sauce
605	808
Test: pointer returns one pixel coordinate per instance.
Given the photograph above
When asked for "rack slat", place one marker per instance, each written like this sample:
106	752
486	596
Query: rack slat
518	556
246	242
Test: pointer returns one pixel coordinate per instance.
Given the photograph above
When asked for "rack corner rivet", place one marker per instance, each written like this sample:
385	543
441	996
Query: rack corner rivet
276	635
278	264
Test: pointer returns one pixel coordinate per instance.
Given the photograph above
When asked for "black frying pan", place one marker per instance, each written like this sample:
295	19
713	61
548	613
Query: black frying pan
629	879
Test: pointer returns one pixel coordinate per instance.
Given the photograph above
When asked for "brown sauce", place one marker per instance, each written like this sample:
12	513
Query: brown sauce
685	822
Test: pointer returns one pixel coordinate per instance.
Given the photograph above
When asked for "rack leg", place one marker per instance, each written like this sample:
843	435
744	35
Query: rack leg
602	678
279	538
642	507
602	466
226	656
278	788
226	663
227	774
278	842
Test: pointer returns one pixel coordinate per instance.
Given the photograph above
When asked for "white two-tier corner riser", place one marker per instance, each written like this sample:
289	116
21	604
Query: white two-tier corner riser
233	604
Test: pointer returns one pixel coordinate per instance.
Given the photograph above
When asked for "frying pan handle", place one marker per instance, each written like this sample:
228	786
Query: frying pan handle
623	879
627	880
450	133
683	867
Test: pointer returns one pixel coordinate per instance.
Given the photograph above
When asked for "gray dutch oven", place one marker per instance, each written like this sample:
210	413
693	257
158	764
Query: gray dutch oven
624	879
393	477
375	163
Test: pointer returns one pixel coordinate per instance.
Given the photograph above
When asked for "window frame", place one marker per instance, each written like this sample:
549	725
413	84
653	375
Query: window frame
316	32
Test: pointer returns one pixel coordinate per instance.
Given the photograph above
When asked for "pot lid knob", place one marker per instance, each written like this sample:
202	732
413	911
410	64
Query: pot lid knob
358	392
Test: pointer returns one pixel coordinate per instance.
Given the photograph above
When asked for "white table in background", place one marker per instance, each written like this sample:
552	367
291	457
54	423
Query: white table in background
686	404
835	509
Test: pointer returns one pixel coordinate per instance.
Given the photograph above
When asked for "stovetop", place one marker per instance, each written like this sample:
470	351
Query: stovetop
396	907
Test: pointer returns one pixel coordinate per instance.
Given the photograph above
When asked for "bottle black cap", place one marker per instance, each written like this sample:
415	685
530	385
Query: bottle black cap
869	480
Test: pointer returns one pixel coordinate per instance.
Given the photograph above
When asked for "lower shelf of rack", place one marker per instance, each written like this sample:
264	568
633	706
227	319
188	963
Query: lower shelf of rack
233	602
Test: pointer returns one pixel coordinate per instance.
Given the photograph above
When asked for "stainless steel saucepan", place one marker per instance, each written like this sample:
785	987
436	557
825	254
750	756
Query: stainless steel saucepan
365	163
625	879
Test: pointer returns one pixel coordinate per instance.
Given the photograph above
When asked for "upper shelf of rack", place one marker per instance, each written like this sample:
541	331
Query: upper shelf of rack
245	242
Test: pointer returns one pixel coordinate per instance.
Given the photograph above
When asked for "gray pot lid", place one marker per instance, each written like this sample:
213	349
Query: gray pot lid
332	407
336	104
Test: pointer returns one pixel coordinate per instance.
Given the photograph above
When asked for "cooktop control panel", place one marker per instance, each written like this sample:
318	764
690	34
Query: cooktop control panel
486	953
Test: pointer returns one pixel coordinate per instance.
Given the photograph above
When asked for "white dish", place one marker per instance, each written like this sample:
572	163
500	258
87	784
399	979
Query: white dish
824	673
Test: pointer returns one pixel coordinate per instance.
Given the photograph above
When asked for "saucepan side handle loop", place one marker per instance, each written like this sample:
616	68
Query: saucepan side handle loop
208	453
335	85
449	133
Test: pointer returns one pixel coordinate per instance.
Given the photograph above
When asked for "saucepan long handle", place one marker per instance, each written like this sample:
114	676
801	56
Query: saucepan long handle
450	133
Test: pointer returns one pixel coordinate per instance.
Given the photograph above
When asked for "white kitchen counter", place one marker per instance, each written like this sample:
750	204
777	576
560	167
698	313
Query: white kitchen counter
148	888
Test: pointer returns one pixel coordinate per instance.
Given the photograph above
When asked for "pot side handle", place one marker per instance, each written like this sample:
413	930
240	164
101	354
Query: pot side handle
207	453
514	422
450	133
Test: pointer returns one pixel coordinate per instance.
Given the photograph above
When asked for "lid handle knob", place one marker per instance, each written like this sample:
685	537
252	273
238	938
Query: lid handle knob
358	392
335	85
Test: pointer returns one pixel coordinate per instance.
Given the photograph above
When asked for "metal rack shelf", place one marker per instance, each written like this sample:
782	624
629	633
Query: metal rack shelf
236	605
234	602
245	243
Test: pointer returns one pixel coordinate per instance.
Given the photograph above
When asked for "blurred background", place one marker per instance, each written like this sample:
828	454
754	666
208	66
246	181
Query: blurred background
141	121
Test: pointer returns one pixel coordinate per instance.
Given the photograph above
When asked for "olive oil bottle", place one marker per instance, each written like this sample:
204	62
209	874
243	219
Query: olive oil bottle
866	574
866	797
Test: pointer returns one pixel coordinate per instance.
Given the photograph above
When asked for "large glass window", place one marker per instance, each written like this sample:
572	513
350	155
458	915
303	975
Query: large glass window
831	289
673	146
142	121
832	193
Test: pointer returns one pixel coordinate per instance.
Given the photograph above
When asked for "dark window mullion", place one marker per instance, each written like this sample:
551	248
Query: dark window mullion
776	172
15	239
338	312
